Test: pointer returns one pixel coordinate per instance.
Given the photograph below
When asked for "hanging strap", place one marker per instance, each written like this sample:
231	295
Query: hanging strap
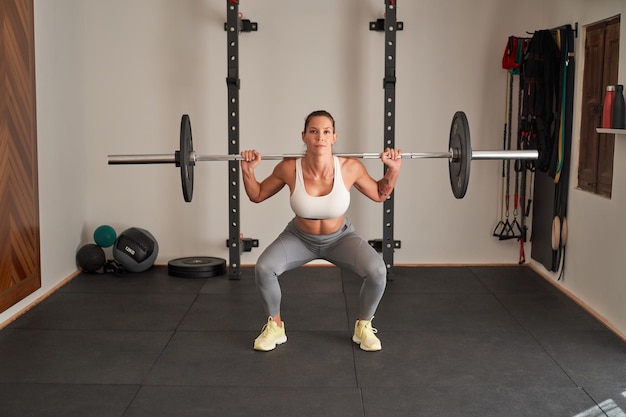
497	231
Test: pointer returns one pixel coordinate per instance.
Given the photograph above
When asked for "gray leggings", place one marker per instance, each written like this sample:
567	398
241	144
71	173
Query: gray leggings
344	248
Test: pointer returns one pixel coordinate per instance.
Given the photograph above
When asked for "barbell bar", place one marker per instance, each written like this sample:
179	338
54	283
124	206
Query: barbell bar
167	158
459	155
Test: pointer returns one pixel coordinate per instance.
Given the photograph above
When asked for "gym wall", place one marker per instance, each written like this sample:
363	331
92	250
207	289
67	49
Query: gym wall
115	77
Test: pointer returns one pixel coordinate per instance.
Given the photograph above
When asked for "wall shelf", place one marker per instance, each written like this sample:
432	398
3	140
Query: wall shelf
611	131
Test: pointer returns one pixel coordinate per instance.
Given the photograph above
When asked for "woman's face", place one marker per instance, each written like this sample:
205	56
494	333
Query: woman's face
319	134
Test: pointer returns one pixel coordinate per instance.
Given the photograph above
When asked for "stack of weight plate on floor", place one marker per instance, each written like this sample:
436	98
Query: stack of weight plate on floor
196	267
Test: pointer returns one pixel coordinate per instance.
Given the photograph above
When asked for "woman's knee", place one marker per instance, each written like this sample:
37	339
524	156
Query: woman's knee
377	273
264	271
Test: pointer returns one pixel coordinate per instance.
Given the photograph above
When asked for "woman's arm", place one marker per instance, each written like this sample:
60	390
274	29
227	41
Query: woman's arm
260	191
379	190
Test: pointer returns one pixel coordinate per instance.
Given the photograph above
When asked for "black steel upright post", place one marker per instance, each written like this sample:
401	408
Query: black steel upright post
236	244
389	84
233	83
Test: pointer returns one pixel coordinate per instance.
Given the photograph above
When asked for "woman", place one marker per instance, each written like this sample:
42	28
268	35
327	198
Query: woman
319	185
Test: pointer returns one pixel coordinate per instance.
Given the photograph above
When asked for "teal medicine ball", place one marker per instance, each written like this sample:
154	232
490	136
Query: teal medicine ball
104	236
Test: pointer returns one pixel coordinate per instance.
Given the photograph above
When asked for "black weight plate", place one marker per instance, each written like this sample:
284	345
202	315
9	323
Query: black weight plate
184	158
461	148
189	273
197	267
200	263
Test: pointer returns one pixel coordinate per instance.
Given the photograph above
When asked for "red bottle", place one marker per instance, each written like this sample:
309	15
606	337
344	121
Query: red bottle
607	108
618	118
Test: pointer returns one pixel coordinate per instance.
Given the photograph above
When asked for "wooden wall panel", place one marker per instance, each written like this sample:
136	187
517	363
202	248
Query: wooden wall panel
20	269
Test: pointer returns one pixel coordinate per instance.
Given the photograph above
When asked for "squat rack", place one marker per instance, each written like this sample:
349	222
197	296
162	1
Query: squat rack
235	24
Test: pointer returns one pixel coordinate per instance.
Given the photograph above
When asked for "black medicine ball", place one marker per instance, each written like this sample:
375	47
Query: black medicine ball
90	257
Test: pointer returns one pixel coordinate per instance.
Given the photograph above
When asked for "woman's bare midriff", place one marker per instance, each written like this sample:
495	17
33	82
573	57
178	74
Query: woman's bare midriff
319	227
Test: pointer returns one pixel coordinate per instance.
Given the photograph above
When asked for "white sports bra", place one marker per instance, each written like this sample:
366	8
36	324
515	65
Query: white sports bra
329	206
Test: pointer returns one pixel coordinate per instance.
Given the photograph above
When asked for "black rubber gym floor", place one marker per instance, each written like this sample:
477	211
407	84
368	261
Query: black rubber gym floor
457	341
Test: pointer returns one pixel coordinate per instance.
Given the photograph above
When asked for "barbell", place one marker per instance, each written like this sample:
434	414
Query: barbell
459	155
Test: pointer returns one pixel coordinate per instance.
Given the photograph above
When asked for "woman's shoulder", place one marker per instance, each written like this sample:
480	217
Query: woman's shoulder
351	169
287	162
348	164
286	167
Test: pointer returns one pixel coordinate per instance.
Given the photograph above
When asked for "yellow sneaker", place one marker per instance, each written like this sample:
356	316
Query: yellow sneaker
271	335
365	336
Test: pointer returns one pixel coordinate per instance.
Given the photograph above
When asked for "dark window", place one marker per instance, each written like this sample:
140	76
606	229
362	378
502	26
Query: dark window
595	165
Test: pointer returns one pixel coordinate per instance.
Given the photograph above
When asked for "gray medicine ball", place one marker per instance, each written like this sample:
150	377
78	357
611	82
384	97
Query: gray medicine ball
136	249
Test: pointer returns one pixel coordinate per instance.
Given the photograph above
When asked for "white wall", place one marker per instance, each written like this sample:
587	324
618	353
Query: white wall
595	249
114	77
170	58
61	141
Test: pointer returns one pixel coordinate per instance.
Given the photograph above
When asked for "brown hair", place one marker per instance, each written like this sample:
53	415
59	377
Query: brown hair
317	113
